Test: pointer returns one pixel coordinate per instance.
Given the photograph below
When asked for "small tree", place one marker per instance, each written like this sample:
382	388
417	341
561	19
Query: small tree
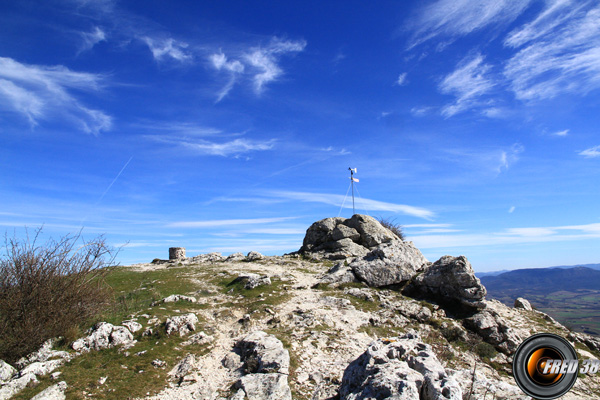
48	290
392	226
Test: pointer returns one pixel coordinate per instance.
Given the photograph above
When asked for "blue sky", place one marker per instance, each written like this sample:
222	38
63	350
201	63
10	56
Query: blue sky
230	126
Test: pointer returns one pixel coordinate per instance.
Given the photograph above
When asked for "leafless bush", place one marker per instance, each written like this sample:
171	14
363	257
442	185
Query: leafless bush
392	226
48	290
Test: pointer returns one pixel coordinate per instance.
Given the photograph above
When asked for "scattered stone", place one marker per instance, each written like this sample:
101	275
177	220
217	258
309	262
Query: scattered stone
253	280
44	353
269	386
235	257
104	335
199	338
17	384
183	367
207	258
133	326
263	353
173	299
363	294
523	304
494	330
54	392
254	256
338	274
398	368
6	371
159	363
183	324
450	279
55	375
102	380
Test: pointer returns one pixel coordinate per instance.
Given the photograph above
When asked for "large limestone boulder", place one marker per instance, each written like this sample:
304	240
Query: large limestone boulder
494	330
339	238
264	353
450	280
104	335
389	264
398	368
6	371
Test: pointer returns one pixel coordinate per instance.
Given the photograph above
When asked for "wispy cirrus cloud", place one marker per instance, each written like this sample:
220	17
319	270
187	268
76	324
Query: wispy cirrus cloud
206	147
561	53
510	236
468	82
259	64
454	18
226	222
90	39
45	92
592	152
361	204
167	48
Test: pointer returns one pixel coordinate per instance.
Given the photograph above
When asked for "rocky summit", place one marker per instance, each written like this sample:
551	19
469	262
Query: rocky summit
356	313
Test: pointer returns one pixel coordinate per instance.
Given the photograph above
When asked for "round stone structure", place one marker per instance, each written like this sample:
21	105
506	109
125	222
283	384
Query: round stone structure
176	253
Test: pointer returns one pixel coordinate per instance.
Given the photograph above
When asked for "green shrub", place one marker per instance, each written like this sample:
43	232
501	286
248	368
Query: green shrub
48	290
485	350
392	226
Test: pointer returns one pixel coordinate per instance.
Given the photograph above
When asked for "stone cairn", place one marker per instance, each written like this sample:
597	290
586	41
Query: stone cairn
176	253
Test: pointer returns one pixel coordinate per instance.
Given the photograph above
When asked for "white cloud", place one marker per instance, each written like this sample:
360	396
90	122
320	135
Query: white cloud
420	111
561	133
90	39
235	68
162	48
226	222
42	92
592	152
401	79
259	64
265	60
562	55
456	18
556	13
468	82
361	204
510	236
511	210
225	149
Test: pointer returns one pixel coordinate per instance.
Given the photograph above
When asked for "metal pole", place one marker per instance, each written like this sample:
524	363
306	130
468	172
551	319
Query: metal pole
352	182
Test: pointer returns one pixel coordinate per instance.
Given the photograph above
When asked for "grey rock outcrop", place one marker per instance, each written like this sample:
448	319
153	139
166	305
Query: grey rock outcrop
523	304
389	264
207	258
54	392
183	367
254	256
266	364
182	324
398	368
450	279
6	371
104	335
253	280
235	257
494	330
340	238
264	353
264	387
175	298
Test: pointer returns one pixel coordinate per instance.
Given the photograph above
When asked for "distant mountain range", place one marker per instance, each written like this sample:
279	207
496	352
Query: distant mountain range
496	273
570	294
